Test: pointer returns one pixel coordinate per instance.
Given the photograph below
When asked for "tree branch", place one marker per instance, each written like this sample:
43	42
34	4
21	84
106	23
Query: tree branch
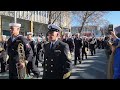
56	17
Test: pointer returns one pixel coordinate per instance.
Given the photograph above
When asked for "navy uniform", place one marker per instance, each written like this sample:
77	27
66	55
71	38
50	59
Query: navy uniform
70	43
12	45
57	58
3	55
40	54
98	43
92	44
39	51
31	64
78	45
84	47
102	44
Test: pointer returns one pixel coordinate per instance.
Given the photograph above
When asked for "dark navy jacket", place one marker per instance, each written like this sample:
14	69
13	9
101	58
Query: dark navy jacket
57	61
12	47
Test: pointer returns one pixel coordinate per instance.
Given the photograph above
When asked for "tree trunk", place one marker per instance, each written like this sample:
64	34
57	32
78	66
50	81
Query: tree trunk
84	20
86	16
50	17
81	27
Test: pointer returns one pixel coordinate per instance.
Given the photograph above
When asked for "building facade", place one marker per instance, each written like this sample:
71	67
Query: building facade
88	31
34	21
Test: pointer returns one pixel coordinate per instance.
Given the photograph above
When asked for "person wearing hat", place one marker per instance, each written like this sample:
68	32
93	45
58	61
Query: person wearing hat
12	49
69	41
31	64
57	58
3	54
78	46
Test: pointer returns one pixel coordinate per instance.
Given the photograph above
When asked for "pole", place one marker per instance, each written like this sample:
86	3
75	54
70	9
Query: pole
15	16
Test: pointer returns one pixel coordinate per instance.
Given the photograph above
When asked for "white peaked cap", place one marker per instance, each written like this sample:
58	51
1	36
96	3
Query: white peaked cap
52	26
15	24
29	33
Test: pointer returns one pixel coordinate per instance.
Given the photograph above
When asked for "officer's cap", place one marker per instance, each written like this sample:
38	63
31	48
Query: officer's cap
29	33
15	24
53	28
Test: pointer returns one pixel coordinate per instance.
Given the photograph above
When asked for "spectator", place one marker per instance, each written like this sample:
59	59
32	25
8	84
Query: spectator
116	56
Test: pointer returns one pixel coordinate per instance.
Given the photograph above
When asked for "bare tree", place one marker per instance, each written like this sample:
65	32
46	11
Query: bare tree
53	16
89	17
62	18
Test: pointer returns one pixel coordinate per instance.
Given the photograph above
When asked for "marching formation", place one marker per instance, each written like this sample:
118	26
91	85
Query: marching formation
55	52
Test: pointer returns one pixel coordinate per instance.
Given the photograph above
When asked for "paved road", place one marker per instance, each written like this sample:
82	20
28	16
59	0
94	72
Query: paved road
93	68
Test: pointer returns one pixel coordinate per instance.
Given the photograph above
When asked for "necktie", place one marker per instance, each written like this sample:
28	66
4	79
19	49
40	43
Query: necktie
52	46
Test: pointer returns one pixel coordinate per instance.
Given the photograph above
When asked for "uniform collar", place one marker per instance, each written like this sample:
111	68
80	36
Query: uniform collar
54	41
14	38
54	44
30	39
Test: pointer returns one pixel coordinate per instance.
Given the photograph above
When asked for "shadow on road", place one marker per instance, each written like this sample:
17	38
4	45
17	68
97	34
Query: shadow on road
92	68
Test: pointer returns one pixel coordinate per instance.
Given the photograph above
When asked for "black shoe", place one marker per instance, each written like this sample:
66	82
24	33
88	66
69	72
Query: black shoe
79	62
37	75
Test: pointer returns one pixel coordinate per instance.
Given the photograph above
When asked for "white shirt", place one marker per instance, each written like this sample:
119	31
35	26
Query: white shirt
52	43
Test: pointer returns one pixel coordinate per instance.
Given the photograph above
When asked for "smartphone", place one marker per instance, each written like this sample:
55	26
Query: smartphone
110	28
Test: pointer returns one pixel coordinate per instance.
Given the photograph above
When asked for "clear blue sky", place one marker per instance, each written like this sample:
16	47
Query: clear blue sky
113	17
